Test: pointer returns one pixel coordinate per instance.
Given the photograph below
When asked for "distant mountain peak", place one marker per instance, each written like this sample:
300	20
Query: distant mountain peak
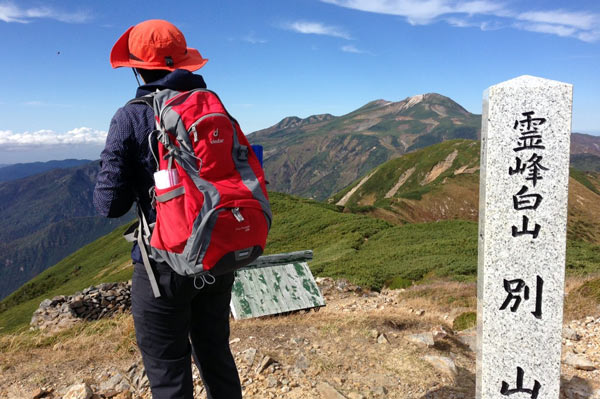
294	121
381	102
414	100
436	102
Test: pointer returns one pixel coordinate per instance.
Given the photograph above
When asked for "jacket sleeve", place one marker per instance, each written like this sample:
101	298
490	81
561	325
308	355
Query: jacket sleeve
113	194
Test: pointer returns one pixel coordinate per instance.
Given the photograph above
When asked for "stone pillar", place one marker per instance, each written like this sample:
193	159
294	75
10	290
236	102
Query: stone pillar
525	140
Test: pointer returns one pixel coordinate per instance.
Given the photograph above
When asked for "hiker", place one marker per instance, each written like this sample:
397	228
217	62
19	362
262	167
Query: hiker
184	321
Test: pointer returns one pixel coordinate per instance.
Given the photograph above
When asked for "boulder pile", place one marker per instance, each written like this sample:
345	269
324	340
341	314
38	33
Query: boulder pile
92	303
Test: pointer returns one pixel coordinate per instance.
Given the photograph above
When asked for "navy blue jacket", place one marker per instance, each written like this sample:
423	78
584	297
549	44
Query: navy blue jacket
126	163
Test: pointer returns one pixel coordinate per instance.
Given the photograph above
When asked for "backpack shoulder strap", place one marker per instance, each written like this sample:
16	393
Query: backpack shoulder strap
148	100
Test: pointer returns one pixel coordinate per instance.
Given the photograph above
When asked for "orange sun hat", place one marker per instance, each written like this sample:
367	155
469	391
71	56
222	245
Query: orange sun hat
155	44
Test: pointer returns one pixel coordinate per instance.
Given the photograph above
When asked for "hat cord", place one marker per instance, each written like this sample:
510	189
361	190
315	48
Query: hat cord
136	76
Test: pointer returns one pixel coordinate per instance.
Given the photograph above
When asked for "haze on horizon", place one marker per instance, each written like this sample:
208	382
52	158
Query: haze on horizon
276	59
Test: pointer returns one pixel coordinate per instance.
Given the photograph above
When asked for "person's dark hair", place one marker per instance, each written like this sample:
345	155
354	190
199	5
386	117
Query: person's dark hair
151	75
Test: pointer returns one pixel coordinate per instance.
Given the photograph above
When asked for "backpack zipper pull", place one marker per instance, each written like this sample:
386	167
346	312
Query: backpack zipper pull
195	133
237	214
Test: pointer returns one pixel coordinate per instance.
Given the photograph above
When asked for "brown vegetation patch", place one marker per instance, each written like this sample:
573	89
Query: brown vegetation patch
440	110
466	170
584	213
368	200
349	194
440	168
401	180
578	301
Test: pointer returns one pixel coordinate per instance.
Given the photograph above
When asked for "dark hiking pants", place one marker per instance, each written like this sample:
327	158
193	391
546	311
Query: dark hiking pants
184	322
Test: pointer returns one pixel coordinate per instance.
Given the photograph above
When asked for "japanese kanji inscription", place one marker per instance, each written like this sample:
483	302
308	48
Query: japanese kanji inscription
526	127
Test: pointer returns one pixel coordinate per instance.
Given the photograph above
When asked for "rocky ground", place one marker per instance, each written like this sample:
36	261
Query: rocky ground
393	344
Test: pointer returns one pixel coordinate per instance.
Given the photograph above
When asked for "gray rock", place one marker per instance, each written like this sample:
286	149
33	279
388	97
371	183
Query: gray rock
440	332
79	391
382	339
249	355
443	364
469	338
272	381
328	392
302	363
380	391
424	339
577	387
571	334
115	383
45	303
265	362
579	362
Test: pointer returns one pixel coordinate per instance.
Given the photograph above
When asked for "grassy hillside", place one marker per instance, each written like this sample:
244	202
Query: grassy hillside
366	250
441	182
45	218
104	260
586	162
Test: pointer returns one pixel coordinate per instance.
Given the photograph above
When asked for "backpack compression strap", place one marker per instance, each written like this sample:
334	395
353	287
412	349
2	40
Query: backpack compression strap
141	235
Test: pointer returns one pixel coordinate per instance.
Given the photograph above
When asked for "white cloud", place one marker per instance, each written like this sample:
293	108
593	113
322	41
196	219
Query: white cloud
9	12
485	14
253	39
33	103
49	138
592	36
467	23
317	28
39	103
419	12
559	30
577	20
352	49
581	25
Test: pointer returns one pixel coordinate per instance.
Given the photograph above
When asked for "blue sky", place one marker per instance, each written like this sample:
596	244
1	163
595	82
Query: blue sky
275	58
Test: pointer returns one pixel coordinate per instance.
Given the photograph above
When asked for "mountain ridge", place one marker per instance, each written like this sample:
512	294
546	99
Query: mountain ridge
20	170
47	216
321	154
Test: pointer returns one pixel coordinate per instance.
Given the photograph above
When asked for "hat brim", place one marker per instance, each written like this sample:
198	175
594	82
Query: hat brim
120	57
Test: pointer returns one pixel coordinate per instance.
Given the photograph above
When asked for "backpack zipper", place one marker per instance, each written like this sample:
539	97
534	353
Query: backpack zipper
237	214
194	130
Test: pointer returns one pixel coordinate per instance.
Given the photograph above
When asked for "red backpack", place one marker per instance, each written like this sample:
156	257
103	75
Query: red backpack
212	207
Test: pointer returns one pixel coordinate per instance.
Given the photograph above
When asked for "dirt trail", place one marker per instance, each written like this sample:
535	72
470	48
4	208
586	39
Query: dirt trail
361	345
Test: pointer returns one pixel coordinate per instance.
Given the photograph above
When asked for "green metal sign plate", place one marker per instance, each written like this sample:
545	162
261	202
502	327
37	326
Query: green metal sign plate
275	284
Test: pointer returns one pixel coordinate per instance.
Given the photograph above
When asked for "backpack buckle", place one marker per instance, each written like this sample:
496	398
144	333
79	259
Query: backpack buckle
152	195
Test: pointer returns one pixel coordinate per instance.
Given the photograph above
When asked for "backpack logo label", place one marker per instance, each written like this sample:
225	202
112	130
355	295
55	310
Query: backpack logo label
216	140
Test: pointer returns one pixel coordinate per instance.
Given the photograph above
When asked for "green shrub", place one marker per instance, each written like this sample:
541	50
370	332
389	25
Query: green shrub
591	289
465	321
398	283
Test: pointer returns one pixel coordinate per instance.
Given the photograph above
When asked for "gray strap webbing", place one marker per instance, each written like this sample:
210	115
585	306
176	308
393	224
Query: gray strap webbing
143	234
144	225
132	232
146	260
171	194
